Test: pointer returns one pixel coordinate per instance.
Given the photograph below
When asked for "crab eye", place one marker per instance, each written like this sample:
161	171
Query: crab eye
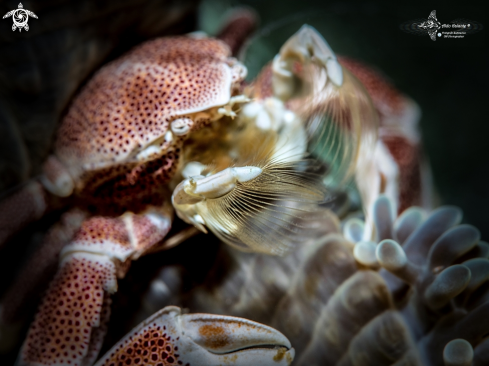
181	126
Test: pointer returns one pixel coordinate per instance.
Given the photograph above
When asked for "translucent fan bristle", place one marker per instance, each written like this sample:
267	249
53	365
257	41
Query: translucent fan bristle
266	214
341	122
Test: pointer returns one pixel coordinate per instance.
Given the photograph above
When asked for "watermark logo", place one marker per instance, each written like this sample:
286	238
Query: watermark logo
458	28
431	25
20	17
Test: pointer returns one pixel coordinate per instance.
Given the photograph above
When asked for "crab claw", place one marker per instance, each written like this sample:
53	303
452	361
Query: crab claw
172	338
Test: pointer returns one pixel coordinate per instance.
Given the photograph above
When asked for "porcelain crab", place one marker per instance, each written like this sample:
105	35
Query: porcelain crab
174	118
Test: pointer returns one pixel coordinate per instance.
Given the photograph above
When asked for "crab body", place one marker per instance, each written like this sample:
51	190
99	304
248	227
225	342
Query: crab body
164	118
129	123
117	150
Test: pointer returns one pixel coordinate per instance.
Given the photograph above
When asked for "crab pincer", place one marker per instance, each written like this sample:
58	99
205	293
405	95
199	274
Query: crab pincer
172	338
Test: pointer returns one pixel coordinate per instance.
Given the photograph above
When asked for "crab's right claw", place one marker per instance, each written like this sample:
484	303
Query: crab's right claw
172	338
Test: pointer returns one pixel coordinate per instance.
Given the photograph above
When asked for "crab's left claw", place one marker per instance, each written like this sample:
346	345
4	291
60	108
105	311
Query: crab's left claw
172	338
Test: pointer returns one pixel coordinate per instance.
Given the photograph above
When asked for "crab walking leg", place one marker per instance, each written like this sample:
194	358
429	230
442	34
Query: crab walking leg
21	208
238	28
69	326
398	154
172	338
35	199
70	312
20	300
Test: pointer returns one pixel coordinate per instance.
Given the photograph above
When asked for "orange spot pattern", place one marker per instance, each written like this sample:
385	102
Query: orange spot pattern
385	96
131	101
100	230
149	346
60	333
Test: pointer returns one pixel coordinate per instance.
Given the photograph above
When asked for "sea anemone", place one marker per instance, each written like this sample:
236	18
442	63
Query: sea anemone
417	295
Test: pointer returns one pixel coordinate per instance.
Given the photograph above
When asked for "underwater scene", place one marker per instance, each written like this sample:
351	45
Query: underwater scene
226	182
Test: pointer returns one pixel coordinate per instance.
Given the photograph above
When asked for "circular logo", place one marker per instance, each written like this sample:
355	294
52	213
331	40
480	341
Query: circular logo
439	34
20	18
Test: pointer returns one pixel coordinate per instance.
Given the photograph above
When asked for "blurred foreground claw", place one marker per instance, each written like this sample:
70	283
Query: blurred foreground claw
170	337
